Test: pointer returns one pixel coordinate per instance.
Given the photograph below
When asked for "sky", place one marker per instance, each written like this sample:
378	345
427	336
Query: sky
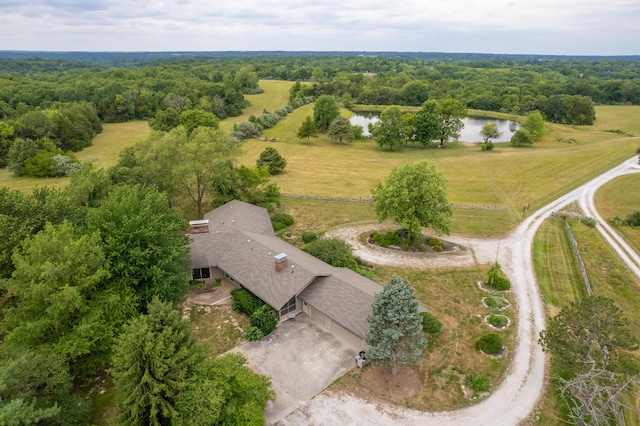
547	27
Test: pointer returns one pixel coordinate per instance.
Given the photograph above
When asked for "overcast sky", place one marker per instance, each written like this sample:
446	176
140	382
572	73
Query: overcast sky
563	27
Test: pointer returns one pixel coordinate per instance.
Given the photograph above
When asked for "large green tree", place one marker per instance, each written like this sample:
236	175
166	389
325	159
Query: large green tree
340	130
36	388
153	360
452	112
325	110
395	334
224	391
588	333
391	130
62	298
194	118
144	243
428	125
534	123
414	195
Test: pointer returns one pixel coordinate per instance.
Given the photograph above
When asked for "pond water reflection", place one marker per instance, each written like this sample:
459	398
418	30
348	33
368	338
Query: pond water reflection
470	132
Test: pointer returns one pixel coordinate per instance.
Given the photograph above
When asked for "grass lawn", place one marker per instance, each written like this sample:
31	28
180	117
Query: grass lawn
455	299
276	95
560	284
103	152
507	176
620	197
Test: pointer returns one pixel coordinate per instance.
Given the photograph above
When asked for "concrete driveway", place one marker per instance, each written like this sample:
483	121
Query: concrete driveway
302	360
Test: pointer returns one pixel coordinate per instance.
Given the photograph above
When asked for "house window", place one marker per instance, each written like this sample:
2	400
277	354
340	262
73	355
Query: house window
201	273
290	306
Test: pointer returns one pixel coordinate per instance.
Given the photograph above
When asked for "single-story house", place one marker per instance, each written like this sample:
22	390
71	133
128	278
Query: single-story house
237	241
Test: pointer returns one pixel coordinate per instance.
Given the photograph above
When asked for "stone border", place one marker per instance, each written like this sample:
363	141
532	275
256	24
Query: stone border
486	320
502	308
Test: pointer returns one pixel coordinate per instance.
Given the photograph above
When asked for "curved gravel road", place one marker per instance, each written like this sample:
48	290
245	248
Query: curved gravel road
516	396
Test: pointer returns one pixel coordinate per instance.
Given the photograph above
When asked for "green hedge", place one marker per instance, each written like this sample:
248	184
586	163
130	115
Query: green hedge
245	302
430	324
490	343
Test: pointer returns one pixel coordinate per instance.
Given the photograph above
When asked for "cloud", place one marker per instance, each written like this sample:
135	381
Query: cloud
570	26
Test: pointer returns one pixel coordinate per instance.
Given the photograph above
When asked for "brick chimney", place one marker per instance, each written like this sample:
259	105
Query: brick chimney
199	226
281	261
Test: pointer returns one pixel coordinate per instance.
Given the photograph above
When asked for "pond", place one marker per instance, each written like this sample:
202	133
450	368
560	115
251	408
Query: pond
469	133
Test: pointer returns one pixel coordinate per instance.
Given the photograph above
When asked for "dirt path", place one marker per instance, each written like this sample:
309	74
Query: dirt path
517	395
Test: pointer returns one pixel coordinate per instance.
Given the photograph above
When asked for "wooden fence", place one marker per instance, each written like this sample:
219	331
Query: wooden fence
368	200
574	244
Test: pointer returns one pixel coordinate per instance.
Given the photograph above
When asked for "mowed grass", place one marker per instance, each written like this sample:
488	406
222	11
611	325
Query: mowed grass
103	153
561	284
276	95
511	177
455	299
619	197
558	276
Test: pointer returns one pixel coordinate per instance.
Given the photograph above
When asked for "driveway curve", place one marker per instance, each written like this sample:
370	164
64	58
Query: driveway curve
517	395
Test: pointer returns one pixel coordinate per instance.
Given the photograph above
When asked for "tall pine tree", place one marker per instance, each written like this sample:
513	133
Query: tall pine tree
154	357
395	334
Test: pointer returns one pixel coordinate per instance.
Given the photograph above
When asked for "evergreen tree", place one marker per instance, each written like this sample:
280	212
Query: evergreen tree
340	130
154	357
308	129
395	334
271	158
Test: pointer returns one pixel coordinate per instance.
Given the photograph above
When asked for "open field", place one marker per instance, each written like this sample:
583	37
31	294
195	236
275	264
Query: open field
276	95
560	284
620	197
512	177
103	152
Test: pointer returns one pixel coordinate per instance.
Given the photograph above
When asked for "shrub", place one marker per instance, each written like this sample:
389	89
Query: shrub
493	302
633	219
64	164
281	220
253	334
40	165
333	251
499	321
496	279
309	237
589	221
391	238
478	382
245	302
430	323
490	343
435	244
264	320
486	146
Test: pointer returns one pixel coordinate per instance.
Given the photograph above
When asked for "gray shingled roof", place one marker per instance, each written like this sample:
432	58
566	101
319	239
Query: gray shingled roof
344	296
242	243
240	216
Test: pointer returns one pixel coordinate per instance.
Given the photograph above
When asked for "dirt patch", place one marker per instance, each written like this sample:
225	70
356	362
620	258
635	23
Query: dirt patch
405	384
